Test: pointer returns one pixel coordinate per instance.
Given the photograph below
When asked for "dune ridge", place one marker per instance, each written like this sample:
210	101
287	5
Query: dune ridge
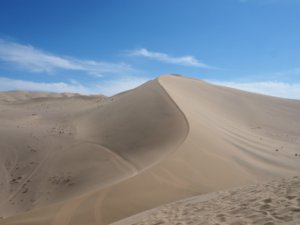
199	138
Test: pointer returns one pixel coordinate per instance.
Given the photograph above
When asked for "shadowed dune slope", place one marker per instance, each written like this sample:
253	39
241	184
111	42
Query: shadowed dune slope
141	125
235	138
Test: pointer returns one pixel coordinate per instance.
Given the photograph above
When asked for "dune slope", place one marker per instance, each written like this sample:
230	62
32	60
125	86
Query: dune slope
234	138
54	148
249	137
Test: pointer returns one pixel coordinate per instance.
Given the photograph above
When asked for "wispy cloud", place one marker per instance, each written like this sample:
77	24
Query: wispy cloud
270	1
111	87
273	88
293	73
12	84
163	57
36	60
288	76
106	87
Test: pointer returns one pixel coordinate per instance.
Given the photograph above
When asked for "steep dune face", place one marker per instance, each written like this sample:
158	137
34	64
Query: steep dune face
235	138
54	148
141	126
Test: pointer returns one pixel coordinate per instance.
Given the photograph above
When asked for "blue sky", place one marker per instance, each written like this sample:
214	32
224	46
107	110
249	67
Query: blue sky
109	46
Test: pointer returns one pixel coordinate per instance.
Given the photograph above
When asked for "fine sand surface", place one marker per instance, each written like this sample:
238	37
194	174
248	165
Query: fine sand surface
275	202
73	160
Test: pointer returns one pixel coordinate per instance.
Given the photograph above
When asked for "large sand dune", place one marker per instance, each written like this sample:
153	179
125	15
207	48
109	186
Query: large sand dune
69	159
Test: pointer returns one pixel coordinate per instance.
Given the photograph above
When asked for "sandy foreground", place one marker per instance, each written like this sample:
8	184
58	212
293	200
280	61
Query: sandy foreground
275	202
68	159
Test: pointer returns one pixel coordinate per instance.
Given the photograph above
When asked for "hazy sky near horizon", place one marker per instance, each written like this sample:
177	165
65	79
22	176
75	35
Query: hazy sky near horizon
106	47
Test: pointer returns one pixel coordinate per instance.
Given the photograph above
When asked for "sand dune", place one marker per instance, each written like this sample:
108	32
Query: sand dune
95	160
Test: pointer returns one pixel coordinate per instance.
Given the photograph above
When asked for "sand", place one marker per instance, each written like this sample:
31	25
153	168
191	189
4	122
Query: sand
275	202
72	160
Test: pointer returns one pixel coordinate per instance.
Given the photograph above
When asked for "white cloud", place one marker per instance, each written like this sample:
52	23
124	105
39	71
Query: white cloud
269	1
273	88
287	73
163	57
106	87
12	84
111	87
36	60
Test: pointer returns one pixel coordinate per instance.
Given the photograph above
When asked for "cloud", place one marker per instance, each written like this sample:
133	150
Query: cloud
111	87
270	1
163	57
292	73
273	88
35	60
12	84
106	87
114	86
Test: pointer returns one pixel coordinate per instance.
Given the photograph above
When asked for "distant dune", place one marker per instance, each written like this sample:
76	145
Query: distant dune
68	159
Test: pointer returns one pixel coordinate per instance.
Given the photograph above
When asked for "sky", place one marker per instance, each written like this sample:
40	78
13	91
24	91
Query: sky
106	47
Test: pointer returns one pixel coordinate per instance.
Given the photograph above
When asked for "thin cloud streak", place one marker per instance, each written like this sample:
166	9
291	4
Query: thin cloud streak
266	2
7	84
106	87
36	60
273	88
163	57
111	87
288	73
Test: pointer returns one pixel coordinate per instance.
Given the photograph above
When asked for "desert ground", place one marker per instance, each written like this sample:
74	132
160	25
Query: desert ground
275	202
174	150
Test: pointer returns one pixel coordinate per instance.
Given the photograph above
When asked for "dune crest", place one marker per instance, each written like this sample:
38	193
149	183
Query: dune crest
169	139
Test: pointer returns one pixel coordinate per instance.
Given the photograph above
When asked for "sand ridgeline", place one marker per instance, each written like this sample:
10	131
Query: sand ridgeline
99	160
